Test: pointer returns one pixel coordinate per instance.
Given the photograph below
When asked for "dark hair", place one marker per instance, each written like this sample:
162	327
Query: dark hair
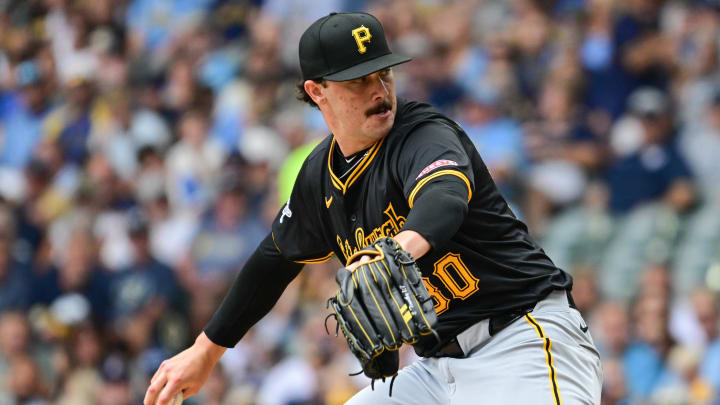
302	94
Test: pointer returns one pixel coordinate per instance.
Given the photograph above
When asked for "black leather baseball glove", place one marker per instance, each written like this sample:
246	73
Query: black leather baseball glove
382	304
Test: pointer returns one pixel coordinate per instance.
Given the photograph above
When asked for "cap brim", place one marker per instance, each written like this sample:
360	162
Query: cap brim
365	68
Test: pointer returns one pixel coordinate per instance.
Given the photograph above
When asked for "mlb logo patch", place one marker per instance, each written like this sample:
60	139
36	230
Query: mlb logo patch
434	165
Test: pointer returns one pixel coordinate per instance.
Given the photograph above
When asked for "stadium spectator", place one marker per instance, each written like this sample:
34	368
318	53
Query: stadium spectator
562	151
76	273
14	277
83	354
25	384
146	283
652	168
707	311
115	388
224	240
69	125
22	115
644	360
497	137
193	164
698	141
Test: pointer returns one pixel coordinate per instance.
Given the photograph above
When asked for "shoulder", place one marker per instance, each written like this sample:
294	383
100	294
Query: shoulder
416	120
411	113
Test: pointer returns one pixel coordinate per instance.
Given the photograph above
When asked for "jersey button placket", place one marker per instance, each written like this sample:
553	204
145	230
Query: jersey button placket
353	218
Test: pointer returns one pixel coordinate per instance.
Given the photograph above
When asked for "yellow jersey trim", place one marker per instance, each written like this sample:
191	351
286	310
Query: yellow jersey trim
318	260
272	234
424	181
548	357
361	167
364	165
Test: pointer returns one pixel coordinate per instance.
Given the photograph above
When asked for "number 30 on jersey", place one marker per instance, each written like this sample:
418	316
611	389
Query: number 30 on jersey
455	277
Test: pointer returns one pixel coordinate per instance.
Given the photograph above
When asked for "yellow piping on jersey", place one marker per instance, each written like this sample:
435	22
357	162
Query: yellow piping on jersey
548	357
358	171
364	163
335	181
308	261
318	260
424	181
272	234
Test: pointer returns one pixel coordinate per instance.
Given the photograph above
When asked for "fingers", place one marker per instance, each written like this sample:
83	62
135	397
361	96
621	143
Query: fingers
168	393
160	373
354	265
156	386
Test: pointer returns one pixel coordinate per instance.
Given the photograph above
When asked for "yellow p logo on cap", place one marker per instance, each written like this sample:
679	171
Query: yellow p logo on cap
361	35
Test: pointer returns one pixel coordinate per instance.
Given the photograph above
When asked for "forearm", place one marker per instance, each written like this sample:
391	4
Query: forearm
413	243
254	292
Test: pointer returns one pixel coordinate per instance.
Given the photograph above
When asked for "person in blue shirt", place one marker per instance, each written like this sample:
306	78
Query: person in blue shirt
497	137
14	278
644	361
77	273
147	285
707	311
628	54
656	168
21	116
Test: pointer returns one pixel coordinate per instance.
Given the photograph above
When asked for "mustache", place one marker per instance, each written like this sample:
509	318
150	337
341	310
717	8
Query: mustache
380	108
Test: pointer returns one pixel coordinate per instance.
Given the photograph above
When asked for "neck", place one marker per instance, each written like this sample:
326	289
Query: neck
349	146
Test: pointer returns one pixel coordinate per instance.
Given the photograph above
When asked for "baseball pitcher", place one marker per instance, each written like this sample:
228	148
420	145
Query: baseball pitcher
434	257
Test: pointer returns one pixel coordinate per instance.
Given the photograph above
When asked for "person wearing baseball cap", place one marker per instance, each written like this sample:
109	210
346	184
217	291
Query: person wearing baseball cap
336	52
506	330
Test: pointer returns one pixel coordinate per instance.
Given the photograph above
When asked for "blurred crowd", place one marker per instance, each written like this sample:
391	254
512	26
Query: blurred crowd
146	145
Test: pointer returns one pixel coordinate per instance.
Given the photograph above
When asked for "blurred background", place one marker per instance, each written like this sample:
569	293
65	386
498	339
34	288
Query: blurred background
146	145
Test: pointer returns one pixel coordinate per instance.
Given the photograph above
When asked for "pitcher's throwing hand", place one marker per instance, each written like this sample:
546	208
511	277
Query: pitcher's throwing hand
184	374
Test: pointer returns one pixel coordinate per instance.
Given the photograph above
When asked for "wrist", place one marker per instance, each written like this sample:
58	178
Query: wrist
413	243
211	349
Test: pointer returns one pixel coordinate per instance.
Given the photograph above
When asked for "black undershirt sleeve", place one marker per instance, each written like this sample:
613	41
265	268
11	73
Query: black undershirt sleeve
439	210
256	289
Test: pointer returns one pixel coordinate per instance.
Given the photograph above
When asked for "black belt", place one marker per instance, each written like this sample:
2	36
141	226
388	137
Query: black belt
497	323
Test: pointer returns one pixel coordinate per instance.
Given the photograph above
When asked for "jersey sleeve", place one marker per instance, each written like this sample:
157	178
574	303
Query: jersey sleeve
296	230
430	152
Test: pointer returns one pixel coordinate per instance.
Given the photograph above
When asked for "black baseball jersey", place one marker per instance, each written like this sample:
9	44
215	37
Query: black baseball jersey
491	265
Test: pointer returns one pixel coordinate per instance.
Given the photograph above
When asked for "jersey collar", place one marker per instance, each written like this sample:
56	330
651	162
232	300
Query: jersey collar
361	167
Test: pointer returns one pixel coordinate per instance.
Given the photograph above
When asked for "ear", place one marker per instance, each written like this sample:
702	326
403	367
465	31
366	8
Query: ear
315	91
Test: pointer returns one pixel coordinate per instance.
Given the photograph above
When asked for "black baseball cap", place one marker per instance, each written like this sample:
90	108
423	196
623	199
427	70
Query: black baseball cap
345	46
